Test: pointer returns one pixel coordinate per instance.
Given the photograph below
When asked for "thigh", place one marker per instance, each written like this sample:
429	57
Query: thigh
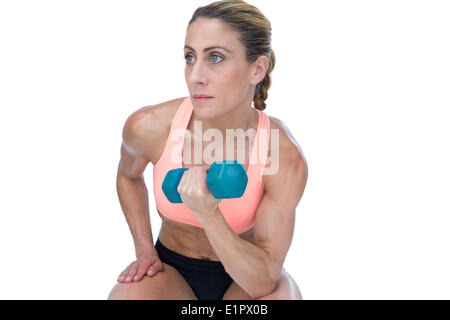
235	292
168	284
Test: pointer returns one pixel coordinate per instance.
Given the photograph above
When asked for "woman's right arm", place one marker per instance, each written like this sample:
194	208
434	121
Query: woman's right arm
140	133
131	188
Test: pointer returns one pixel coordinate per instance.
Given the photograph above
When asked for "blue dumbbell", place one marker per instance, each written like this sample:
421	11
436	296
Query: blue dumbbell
225	179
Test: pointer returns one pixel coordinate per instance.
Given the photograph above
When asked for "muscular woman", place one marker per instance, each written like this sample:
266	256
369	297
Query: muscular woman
210	248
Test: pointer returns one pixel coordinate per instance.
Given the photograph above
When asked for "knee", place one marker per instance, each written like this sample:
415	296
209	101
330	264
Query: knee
289	288
118	292
127	291
147	289
286	289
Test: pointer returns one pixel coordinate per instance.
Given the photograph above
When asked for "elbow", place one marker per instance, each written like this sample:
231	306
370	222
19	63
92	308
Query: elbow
263	291
123	172
269	283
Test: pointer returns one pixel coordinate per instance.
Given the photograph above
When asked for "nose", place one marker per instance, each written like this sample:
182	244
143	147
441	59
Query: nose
197	73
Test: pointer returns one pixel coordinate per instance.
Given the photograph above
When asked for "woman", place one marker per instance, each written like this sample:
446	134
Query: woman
209	248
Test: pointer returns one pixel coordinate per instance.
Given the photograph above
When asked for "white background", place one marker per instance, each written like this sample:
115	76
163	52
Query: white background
362	85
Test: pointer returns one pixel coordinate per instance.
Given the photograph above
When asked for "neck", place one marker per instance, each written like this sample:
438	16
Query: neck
241	117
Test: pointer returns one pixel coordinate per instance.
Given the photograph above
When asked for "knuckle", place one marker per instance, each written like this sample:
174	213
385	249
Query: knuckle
133	270
159	265
142	269
146	263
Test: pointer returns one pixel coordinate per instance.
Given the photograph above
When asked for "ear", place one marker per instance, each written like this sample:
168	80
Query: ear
259	70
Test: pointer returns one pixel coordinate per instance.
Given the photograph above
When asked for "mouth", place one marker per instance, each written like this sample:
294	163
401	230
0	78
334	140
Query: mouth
202	98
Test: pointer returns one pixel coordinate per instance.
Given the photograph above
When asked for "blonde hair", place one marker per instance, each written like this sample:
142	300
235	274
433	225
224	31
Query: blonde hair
255	33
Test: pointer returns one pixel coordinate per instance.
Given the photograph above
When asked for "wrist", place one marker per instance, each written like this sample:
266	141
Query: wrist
146	250
210	217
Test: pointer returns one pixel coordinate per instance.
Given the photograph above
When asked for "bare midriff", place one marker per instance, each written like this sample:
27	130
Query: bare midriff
190	241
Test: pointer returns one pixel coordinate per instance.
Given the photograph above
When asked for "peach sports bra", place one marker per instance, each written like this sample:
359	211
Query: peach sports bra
239	213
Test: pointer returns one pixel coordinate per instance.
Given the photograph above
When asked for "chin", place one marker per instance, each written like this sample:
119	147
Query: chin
203	113
205	116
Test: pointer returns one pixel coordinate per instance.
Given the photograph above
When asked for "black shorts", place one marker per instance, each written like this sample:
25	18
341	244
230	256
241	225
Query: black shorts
208	279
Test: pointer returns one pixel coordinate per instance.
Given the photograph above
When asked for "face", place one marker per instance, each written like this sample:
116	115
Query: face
223	74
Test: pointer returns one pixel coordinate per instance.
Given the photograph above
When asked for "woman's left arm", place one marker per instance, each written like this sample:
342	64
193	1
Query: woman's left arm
256	268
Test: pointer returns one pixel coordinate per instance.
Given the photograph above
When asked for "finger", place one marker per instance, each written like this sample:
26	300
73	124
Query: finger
131	274
194	178
129	269
142	268
201	178
182	181
191	181
159	265
122	275
155	268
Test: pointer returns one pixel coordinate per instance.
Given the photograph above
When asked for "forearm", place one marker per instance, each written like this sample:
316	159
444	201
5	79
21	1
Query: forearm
247	264
133	197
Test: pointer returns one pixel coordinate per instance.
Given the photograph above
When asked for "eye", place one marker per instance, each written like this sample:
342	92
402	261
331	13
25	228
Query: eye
213	55
186	57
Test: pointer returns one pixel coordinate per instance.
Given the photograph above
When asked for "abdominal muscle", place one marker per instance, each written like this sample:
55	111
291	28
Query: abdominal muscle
191	241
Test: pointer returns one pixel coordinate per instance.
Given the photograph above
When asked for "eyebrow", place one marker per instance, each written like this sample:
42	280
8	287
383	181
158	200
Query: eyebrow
209	48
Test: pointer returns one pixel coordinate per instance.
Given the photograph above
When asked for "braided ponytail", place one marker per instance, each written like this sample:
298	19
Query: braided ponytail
262	87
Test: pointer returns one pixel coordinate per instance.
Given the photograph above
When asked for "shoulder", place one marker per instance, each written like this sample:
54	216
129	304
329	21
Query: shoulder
288	143
147	127
287	165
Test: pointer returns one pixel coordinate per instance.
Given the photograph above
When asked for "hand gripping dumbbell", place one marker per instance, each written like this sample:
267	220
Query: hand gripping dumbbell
225	179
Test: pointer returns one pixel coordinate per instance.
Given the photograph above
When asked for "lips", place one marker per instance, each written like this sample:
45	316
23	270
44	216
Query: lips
202	98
